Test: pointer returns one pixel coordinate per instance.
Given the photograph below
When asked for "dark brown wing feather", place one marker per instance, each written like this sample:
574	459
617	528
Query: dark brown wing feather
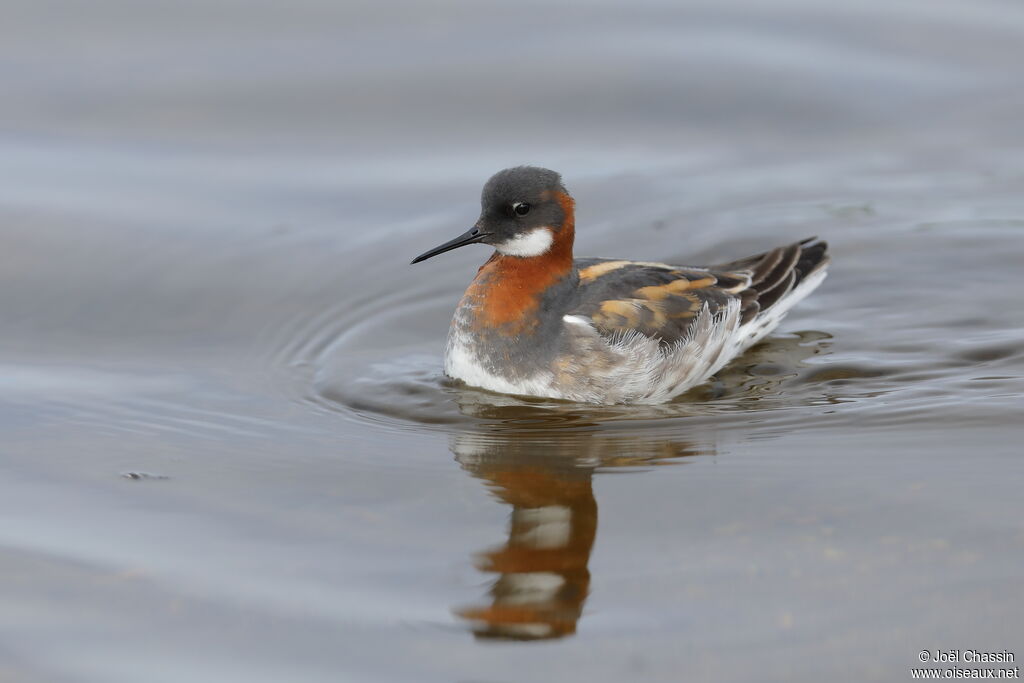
775	273
661	301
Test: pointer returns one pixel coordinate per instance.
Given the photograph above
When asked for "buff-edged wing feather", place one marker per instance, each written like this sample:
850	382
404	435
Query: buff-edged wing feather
662	301
658	300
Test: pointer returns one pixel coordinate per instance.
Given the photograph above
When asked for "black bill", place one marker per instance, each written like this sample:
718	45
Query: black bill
471	236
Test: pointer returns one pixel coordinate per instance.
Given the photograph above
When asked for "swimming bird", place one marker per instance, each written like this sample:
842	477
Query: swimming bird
537	322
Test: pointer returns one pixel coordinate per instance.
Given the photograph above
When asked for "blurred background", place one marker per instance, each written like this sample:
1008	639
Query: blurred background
227	448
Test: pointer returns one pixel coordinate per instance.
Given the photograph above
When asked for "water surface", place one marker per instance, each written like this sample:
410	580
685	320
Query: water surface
228	451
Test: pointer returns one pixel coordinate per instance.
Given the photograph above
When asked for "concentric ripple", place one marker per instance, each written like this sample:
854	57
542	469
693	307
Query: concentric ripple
382	365
378	360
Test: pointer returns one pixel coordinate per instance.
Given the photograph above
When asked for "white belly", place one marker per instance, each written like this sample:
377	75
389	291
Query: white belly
460	362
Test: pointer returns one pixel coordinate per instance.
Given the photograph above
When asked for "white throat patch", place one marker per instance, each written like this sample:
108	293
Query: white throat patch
533	243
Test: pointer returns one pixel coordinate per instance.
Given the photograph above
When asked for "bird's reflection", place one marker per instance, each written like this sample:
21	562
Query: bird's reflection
542	575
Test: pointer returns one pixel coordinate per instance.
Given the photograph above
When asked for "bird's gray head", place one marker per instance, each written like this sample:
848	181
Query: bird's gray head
523	211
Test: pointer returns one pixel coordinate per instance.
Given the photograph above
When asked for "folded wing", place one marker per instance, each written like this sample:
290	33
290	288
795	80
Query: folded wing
661	301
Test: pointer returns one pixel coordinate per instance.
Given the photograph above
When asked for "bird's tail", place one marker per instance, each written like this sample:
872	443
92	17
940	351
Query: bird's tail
780	278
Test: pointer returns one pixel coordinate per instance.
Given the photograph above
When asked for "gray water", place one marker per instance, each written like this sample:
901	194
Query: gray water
228	452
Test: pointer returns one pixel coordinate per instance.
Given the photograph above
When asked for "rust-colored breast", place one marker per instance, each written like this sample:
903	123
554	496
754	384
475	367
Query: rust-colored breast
506	291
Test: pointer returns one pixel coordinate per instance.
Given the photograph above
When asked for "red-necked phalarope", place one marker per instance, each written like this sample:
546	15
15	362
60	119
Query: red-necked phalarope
536	322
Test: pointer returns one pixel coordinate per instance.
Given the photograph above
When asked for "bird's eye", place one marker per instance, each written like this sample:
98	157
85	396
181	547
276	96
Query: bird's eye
520	208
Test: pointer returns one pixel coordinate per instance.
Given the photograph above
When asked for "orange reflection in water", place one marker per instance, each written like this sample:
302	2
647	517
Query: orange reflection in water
543	579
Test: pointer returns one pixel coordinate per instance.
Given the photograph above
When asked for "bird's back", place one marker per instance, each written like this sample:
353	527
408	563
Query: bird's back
674	326
662	301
